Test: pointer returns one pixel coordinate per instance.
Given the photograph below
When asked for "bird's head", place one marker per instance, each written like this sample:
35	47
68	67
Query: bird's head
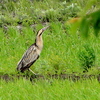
42	30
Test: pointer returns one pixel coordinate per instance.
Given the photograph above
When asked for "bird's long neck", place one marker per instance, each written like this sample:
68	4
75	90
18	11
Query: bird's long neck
39	42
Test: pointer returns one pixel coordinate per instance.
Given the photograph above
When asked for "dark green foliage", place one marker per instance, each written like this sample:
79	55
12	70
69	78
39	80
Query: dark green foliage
84	27
92	19
96	21
87	57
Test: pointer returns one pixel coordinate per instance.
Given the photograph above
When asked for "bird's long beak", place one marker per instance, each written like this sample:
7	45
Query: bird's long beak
43	29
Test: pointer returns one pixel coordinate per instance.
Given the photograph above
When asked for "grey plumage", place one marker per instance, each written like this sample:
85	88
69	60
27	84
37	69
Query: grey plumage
33	53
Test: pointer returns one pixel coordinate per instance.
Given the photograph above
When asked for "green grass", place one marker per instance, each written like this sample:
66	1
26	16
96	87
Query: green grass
60	52
62	46
53	89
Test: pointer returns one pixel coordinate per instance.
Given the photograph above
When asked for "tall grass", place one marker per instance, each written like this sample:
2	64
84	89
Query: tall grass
59	55
50	90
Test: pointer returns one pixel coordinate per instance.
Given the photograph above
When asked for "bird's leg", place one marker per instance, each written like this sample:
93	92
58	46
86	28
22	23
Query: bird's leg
32	71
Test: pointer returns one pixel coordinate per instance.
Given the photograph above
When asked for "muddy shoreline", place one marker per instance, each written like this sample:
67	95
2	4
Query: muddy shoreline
72	77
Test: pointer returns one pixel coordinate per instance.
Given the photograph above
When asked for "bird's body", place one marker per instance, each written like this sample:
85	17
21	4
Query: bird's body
32	54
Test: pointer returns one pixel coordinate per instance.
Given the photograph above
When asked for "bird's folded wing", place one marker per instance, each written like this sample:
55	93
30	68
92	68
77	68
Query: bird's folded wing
30	55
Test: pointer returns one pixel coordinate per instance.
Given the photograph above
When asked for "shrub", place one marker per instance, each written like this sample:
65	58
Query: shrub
87	57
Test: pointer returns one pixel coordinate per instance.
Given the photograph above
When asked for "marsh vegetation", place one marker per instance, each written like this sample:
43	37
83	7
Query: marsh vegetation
69	65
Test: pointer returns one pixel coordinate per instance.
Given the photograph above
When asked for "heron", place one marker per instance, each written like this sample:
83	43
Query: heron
32	53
